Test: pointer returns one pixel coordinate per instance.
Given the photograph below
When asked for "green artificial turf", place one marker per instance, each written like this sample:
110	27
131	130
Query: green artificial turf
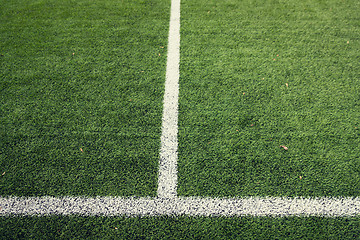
73	227
81	96
256	75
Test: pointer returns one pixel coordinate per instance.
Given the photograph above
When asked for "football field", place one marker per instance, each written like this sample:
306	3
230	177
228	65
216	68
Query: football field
229	120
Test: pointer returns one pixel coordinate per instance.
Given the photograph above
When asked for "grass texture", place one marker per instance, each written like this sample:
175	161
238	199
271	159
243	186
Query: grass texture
257	75
73	227
81	96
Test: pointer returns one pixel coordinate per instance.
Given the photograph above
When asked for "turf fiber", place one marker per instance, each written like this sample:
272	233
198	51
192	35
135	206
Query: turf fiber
81	96
257	75
73	227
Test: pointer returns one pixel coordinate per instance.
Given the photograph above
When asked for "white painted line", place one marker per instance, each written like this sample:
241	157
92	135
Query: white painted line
191	206
167	178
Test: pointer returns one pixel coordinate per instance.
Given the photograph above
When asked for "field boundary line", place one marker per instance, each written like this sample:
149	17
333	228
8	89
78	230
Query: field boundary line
167	176
189	206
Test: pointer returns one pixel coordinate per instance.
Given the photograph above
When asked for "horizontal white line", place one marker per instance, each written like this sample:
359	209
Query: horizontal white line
191	206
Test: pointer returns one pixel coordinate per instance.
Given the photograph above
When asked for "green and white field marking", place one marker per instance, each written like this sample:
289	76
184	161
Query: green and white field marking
192	206
167	179
167	202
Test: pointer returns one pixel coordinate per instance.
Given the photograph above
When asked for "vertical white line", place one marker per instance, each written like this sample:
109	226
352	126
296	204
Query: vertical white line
167	179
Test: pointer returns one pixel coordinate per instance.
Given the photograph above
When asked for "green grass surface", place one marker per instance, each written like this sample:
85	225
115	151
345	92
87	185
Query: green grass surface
259	74
179	228
81	96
